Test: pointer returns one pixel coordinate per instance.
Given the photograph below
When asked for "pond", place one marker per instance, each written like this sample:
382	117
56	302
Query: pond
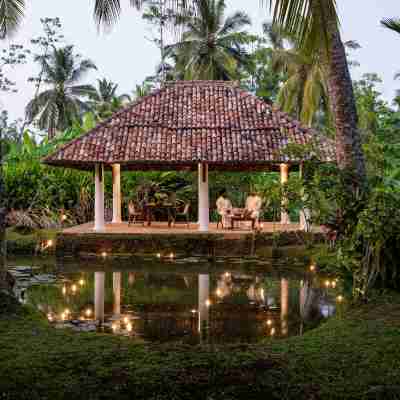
179	300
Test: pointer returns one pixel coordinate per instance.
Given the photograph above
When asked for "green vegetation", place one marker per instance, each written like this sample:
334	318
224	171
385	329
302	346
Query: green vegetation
355	356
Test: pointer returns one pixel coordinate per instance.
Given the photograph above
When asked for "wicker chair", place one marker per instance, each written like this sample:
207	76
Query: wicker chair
134	214
184	215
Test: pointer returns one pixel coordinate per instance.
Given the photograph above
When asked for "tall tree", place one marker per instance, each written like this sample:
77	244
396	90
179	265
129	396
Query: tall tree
315	24
56	108
11	13
212	45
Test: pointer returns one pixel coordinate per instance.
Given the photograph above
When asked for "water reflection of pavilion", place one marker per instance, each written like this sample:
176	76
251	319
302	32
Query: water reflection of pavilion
260	312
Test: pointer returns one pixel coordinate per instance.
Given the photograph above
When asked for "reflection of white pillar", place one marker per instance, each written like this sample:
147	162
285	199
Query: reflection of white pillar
99	198
284	180
116	180
99	296
204	295
117	293
284	305
204	206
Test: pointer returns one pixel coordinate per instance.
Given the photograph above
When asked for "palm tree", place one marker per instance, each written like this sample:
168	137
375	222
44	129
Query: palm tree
11	13
305	92
56	108
104	100
211	46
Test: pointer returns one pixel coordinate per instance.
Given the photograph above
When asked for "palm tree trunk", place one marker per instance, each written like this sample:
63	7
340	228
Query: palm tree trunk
349	151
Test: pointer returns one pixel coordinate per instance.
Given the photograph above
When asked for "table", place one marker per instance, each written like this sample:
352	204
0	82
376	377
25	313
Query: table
242	217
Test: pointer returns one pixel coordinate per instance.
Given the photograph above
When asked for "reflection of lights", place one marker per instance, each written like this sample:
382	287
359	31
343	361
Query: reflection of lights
64	290
273	331
218	292
81	282
269	322
73	288
208	303
88	312
339	298
129	327
194	311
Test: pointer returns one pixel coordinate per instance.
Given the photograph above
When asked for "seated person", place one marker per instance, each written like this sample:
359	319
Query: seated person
224	208
253	207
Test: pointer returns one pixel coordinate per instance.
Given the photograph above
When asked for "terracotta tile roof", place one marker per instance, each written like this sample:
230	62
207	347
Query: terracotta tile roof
189	122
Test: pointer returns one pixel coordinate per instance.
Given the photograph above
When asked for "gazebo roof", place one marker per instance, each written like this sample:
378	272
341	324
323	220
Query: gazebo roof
189	122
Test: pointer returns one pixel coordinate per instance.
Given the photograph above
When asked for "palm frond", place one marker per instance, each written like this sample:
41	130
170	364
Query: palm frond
11	14
392	23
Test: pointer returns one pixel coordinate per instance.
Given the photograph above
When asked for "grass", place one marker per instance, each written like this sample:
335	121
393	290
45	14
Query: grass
353	357
26	242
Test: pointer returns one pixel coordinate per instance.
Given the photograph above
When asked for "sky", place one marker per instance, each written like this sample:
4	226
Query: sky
126	55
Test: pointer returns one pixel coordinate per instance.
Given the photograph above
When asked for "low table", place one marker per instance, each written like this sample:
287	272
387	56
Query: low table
242	217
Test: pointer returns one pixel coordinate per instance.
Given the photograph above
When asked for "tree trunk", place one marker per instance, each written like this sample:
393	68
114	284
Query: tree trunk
3	270
349	151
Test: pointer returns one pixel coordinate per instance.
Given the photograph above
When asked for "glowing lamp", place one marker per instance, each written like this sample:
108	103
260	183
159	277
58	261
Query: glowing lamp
129	327
88	312
208	303
269	322
81	282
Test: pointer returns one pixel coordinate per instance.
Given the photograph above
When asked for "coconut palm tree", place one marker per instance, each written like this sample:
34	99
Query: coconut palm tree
11	13
392	23
104	100
57	107
305	92
211	46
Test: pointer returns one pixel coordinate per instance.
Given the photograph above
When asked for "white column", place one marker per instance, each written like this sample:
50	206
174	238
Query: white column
284	306
204	297
116	180
204	203
99	296
305	214
99	198
285	219
117	293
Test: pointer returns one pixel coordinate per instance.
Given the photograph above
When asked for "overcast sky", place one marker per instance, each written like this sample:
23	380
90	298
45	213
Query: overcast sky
126	57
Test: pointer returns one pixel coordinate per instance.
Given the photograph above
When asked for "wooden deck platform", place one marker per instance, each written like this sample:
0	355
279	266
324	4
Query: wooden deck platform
121	239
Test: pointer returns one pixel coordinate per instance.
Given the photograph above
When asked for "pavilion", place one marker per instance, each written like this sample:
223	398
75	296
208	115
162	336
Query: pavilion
189	126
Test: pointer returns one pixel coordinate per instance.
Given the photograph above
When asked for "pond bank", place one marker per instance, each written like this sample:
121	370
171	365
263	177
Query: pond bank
355	356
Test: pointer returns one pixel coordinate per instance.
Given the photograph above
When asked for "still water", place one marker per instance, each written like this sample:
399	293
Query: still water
179	300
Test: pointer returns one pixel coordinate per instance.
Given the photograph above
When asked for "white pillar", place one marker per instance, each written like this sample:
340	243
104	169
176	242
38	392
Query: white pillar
204	297
99	296
99	198
305	214
204	203
285	219
117	293
284	306
116	180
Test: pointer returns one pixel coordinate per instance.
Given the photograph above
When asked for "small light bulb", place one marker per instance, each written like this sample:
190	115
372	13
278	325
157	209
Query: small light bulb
63	316
88	312
64	290
172	255
272	331
49	317
327	283
218	292
63	217
158	255
227	274
104	254
340	298
126	320
333	283
269	322
194	311
208	303
49	243
81	282
74	288
66	311
312	267
129	327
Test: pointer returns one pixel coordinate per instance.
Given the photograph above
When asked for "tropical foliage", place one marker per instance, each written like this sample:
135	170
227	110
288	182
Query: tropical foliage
56	108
